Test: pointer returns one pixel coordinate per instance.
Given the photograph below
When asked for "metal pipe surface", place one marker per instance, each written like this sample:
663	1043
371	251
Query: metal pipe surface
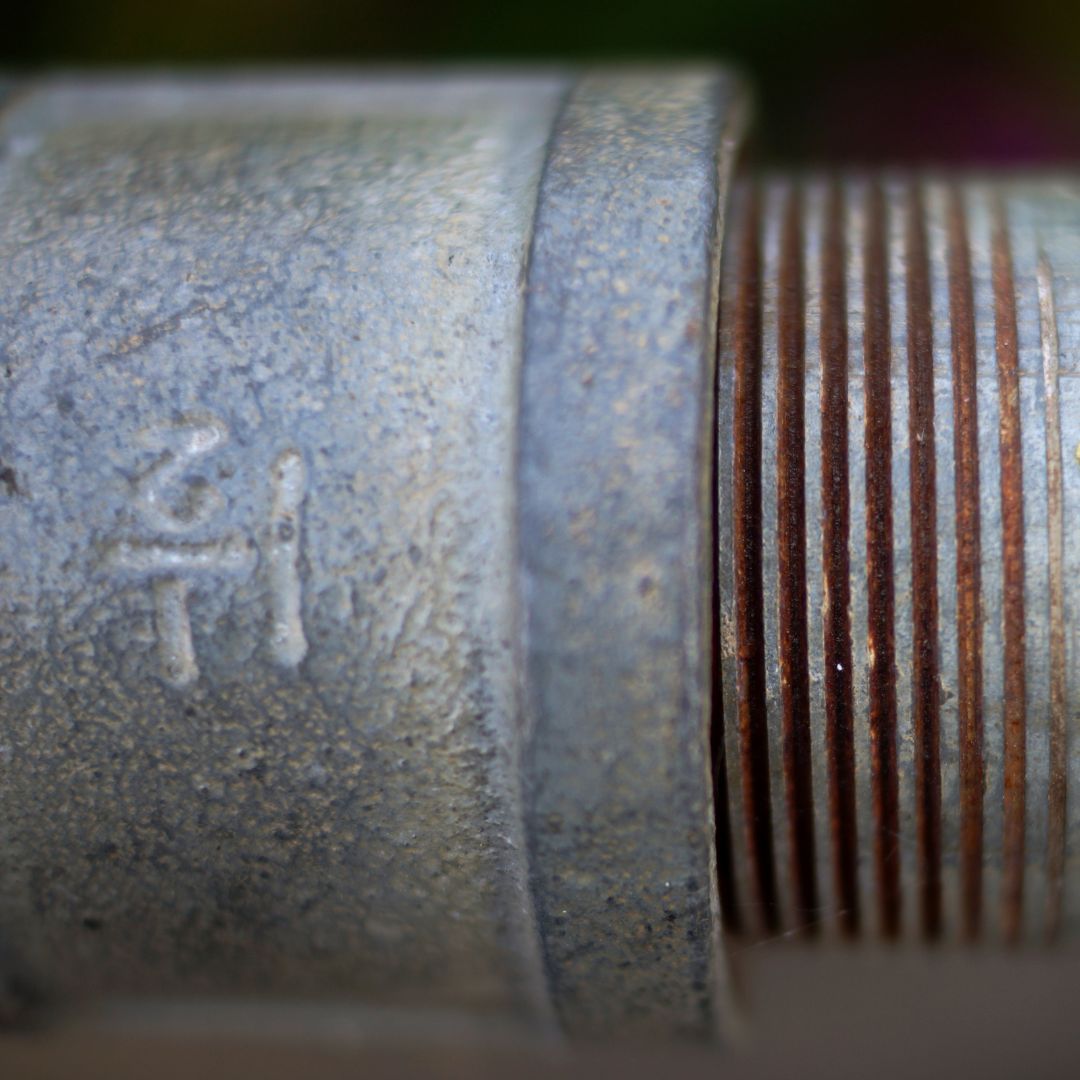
441	573
896	722
354	541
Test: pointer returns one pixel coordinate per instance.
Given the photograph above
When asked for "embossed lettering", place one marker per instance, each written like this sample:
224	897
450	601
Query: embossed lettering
287	641
172	503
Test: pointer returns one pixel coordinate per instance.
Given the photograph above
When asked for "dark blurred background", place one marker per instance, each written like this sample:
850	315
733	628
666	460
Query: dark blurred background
921	81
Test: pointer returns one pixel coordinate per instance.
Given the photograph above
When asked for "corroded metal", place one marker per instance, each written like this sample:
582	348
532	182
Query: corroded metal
934	454
439	573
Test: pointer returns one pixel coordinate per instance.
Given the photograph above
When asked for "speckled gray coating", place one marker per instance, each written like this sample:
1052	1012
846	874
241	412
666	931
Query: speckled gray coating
260	348
284	597
616	435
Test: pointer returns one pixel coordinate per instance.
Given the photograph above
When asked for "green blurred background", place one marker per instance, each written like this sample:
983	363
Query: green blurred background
881	82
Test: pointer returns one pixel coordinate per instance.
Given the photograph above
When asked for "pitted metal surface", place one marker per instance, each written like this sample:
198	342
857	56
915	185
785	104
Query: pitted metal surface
615	481
442	574
933	432
278	703
261	351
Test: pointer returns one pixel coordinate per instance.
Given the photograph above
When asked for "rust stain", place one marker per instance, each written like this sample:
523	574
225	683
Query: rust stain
791	543
725	855
968	557
881	633
839	707
1058	757
926	685
1012	567
749	599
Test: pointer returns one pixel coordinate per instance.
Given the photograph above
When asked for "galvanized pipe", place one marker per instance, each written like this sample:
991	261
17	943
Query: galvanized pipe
429	578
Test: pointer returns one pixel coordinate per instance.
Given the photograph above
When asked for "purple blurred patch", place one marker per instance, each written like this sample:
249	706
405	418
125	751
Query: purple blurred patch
948	108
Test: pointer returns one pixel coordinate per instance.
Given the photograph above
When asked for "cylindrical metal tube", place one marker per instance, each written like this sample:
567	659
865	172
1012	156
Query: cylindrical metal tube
261	347
438	570
353	538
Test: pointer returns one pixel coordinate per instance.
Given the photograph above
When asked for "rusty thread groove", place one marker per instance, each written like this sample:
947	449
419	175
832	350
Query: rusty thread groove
725	855
793	645
1056	789
791	544
968	557
1012	568
881	634
839	706
925	679
749	598
725	864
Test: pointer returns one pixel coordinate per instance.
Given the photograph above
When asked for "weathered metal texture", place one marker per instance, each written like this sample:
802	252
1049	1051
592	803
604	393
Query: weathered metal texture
615	476
358	631
925	415
296	633
260	347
